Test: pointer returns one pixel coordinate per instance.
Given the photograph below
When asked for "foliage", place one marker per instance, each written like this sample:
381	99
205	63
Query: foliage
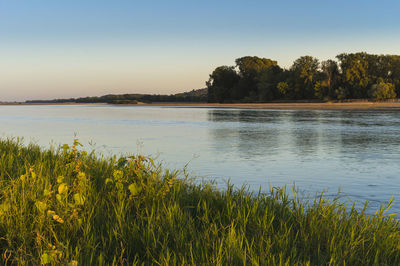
382	91
250	68
355	73
283	88
68	207
221	83
267	80
352	76
330	77
305	72
199	95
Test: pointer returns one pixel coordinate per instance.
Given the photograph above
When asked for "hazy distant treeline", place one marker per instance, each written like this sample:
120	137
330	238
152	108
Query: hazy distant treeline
191	96
350	76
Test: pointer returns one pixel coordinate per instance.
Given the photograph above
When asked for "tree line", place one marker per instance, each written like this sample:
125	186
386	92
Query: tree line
199	95
350	76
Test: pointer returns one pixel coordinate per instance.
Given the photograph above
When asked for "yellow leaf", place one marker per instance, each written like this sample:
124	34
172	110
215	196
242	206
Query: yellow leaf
63	188
60	179
58	219
41	206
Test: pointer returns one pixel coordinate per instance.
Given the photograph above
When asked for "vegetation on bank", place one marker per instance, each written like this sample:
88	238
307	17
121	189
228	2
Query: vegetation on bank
68	206
351	76
199	95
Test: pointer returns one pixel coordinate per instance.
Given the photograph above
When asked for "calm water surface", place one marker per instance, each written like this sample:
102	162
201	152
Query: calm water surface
357	152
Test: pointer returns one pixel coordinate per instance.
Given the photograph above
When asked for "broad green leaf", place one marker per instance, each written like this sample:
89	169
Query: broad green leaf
59	198
41	206
46	192
79	199
65	147
118	174
134	189
45	259
60	179
5	207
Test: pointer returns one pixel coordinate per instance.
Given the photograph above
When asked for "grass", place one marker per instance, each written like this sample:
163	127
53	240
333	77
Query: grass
65	206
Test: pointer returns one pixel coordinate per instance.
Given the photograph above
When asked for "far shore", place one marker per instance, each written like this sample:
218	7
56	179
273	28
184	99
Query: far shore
358	105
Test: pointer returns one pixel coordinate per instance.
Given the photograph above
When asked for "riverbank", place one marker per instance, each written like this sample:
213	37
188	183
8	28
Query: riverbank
291	106
64	205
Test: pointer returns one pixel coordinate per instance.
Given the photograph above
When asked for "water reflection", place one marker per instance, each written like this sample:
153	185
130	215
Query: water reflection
248	133
257	132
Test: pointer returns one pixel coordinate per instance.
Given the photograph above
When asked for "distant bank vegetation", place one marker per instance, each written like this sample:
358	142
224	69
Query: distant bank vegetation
199	95
255	79
351	76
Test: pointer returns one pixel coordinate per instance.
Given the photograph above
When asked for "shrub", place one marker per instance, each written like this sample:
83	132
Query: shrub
382	91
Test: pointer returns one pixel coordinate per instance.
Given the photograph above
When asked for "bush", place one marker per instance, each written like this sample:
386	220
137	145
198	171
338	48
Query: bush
382	91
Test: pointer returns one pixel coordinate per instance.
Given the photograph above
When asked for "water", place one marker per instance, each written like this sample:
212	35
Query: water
356	152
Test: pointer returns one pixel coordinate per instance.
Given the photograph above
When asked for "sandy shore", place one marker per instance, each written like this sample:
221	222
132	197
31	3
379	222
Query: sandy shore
283	106
68	103
291	106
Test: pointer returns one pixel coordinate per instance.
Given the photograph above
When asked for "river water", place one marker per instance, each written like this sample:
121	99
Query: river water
355	152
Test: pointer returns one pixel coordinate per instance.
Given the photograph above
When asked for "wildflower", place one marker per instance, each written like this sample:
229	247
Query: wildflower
73	263
58	219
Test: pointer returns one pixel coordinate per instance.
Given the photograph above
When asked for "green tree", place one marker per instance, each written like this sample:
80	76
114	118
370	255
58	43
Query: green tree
267	80
355	74
305	75
393	62
283	89
249	68
382	91
221	84
331	77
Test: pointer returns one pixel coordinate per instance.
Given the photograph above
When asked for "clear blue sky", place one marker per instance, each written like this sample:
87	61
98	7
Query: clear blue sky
72	48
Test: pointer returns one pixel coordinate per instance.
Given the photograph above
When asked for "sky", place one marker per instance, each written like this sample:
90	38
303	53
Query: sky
73	48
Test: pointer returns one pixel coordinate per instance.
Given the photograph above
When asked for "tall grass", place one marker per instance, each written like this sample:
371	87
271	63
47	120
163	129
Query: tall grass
64	206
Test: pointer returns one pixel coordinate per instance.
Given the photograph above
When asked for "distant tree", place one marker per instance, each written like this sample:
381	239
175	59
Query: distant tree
305	75
221	84
382	91
355	73
394	71
340	93
249	68
331	77
319	90
252	65
267	80
283	89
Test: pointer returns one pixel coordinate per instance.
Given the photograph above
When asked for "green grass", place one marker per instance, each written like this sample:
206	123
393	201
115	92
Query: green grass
64	206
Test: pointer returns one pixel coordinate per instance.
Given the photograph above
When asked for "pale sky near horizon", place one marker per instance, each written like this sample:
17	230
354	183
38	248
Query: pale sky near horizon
60	49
